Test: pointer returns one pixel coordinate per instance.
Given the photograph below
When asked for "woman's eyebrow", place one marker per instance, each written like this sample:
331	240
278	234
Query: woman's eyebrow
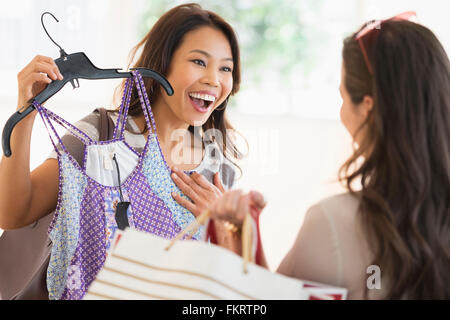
208	55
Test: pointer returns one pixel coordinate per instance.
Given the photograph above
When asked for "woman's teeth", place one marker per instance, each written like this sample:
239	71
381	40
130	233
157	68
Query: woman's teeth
202	96
201	102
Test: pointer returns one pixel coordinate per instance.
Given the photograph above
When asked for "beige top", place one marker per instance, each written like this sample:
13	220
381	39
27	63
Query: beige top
330	248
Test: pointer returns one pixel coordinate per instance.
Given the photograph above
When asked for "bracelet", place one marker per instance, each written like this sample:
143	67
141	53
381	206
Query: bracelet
231	227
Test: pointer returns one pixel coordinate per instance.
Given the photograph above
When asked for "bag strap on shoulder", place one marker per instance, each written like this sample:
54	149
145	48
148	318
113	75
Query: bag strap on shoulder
106	126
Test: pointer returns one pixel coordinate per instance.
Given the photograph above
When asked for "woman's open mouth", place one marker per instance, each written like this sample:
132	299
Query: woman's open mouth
201	102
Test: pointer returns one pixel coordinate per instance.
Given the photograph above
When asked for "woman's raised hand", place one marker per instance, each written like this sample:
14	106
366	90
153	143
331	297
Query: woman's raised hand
201	192
230	211
34	77
234	205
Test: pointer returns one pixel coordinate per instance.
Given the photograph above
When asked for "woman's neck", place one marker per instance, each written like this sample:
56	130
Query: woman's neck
168	126
174	137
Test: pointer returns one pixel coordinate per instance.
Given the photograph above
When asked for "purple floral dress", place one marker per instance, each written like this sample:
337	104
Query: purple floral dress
84	222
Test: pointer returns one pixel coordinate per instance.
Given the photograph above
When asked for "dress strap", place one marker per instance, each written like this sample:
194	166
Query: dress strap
85	139
145	104
45	119
123	110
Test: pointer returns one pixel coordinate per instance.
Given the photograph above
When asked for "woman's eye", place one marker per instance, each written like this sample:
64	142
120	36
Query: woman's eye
199	62
227	69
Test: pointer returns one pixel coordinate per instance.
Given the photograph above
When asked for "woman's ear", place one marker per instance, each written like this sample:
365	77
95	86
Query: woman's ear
365	106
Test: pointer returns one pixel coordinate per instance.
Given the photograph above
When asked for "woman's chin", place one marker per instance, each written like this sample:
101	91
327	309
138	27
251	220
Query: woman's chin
196	121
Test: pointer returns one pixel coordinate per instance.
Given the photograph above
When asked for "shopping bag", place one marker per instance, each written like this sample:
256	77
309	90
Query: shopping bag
144	266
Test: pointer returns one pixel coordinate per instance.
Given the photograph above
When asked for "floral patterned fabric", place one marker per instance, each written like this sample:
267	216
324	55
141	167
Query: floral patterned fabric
84	222
64	234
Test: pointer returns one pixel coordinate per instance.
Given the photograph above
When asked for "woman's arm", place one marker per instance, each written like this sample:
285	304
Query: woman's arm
26	197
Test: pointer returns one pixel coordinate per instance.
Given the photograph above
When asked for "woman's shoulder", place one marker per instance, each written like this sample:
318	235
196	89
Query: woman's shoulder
339	215
345	204
339	212
90	124
336	212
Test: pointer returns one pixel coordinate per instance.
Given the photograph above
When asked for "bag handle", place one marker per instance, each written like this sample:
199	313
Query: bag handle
106	125
247	235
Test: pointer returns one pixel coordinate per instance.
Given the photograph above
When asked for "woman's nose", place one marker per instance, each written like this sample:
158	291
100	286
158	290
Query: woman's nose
211	77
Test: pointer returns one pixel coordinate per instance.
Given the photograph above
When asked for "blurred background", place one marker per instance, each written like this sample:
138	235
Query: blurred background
288	105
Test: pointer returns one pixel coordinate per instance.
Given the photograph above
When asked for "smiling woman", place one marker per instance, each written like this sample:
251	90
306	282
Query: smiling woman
198	52
204	99
78	190
201	74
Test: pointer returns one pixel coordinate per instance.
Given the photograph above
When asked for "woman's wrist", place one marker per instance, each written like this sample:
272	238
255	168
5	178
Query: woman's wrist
228	236
232	228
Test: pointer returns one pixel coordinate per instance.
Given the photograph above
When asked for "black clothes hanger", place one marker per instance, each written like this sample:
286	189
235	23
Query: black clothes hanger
73	67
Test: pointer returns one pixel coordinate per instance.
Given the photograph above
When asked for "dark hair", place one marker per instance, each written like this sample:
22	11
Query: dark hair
158	47
405	174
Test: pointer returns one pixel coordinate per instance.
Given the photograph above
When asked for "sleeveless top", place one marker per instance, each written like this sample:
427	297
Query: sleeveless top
84	222
213	159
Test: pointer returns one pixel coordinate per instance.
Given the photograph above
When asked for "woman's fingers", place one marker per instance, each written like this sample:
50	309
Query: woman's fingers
258	199
218	182
42	64
242	208
29	87
234	205
216	188
44	58
44	67
50	63
30	79
224	204
186	203
35	77
201	181
187	180
229	207
185	185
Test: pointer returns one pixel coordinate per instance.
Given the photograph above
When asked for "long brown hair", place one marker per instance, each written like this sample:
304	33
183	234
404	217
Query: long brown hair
158	47
405	172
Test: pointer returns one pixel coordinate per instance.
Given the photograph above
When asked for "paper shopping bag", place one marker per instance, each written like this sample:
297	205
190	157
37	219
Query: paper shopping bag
140	267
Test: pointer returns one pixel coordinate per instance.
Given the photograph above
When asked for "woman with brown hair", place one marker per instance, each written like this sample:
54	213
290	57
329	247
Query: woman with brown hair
198	53
388	237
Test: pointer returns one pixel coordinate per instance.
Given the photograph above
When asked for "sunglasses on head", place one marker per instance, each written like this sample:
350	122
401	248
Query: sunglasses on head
376	25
